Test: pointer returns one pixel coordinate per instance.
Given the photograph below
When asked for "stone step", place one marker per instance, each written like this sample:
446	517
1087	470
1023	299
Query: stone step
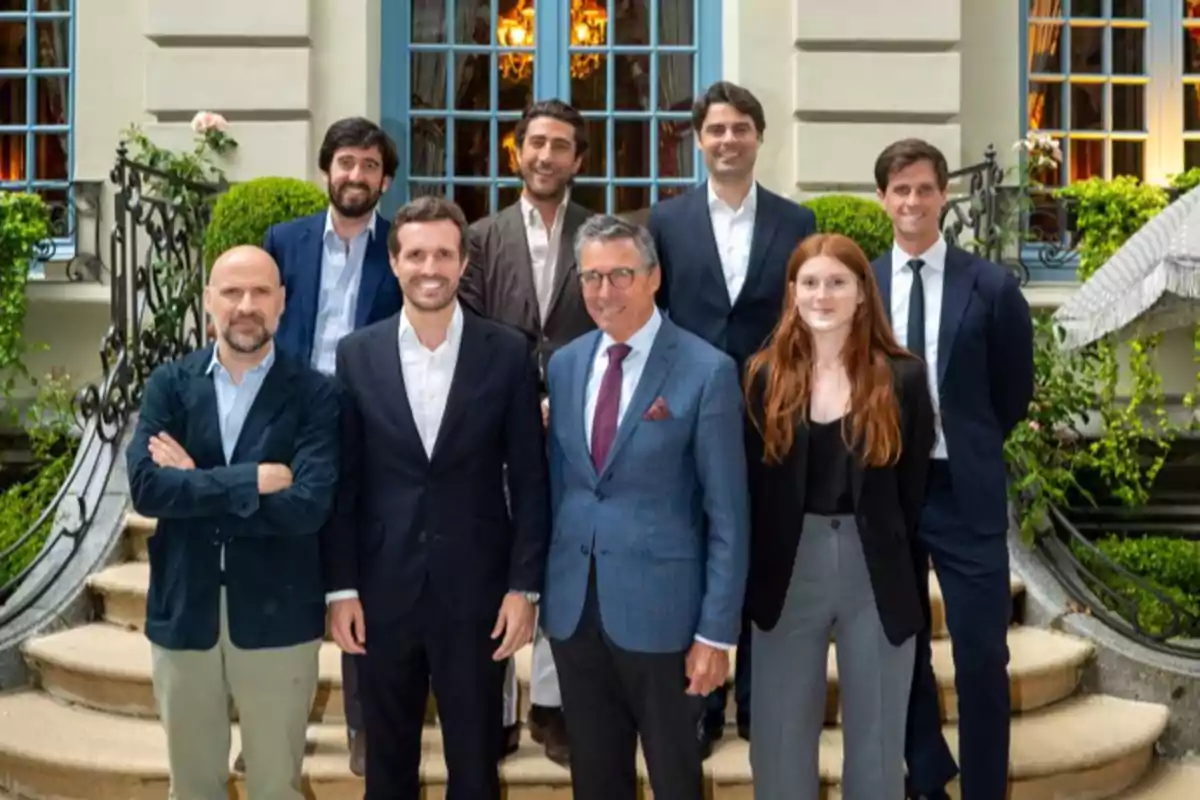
1169	780
107	668
124	587
1093	747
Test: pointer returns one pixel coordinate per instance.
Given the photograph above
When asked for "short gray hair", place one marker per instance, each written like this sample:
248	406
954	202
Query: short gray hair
607	228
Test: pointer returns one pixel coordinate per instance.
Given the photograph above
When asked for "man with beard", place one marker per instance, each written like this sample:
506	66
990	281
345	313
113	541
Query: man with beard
724	248
436	549
335	270
522	271
236	455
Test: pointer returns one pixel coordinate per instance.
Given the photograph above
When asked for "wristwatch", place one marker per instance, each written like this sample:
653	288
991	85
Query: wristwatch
532	597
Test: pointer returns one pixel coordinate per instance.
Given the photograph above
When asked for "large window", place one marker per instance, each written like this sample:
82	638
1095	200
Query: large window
36	101
457	73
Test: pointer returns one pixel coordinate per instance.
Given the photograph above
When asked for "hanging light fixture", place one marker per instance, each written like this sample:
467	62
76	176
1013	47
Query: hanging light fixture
589	28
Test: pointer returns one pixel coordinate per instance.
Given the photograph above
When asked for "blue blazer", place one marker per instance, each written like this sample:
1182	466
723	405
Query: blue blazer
985	376
272	551
693	288
297	248
667	519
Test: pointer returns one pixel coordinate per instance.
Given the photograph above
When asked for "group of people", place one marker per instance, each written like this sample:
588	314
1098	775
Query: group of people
636	443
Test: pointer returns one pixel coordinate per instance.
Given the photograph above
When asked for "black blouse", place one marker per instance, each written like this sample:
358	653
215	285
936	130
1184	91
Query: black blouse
828	488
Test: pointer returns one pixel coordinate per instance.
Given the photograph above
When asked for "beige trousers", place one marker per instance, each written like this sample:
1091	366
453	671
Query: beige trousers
273	690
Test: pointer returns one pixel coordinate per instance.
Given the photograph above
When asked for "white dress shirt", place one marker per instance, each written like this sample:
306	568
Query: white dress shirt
543	249
933	279
733	230
341	277
631	372
427	377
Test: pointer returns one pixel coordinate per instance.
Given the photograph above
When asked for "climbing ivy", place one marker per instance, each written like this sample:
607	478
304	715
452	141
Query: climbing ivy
24	224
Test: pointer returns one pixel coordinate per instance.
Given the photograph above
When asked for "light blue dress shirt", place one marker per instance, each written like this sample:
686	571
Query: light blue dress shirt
341	277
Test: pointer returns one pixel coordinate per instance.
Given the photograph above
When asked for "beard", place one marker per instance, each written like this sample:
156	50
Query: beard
250	341
558	187
353	209
423	300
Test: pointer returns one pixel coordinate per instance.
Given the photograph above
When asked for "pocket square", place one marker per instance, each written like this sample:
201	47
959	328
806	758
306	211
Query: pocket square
658	411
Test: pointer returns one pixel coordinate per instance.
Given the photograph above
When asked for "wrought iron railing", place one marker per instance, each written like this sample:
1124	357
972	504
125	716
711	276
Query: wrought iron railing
69	218
157	274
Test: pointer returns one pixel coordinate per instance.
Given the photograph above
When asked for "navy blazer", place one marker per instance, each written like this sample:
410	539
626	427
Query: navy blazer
297	248
407	526
985	376
272	571
693	290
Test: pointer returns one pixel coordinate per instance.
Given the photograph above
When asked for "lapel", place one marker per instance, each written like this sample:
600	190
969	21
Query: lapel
203	406
376	269
267	403
658	365
765	223
706	242
573	218
514	258
474	356
578	405
312	251
385	359
957	283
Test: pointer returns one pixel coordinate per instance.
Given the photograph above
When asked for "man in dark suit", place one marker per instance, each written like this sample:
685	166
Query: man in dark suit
968	319
647	566
335	268
522	271
431	576
725	248
236	455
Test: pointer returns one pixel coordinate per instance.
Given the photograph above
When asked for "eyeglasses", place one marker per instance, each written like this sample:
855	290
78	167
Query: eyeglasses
618	277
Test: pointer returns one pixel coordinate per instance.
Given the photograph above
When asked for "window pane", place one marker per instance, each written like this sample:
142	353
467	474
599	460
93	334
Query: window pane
13	109
50	157
473	200
675	23
428	21
1129	108
675	82
1191	50
473	21
1087	107
510	163
416	190
630	23
1191	154
12	44
1045	106
516	93
428	76
1087	159
54	43
428	156
1129	51
12	157
1191	107
51	5
590	196
676	149
508	195
631	198
588	85
1129	159
1129	9
632	82
594	159
471	148
1087	50
473	78
1045	49
1191	9
1087	8
14	5
632	143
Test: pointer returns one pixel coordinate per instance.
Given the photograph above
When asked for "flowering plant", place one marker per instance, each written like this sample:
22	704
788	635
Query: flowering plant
1044	153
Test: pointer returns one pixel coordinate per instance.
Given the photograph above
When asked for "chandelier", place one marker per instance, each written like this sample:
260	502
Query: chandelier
589	28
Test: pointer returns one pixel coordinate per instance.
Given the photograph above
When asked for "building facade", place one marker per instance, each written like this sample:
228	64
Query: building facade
1117	80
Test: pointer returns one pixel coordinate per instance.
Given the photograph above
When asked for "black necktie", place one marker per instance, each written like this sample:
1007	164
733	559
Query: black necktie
916	311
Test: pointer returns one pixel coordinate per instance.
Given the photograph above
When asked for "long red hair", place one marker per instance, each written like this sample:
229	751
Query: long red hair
782	370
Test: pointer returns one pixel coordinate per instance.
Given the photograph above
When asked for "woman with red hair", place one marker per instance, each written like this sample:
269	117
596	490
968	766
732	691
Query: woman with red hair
839	439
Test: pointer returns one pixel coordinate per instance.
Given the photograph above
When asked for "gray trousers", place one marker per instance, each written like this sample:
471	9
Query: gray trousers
830	592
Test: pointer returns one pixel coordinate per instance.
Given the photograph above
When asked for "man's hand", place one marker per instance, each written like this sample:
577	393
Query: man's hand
273	478
707	668
545	412
166	452
515	622
346	622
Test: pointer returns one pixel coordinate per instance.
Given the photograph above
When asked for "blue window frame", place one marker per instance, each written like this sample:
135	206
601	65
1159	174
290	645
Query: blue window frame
452	93
37	106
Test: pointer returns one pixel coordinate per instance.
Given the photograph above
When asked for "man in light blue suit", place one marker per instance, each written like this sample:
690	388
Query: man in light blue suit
647	564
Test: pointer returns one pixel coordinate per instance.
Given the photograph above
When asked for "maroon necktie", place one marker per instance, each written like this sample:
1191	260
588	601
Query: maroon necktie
608	402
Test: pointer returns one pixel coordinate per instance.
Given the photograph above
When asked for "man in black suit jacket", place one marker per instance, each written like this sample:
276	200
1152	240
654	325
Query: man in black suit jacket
430	575
724	248
968	319
236	455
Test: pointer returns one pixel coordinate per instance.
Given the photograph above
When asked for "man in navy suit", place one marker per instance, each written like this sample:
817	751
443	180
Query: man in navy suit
648	561
236	455
431	575
335	268
968	319
724	248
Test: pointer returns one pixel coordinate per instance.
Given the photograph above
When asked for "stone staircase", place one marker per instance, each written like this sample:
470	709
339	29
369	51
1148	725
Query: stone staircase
88	729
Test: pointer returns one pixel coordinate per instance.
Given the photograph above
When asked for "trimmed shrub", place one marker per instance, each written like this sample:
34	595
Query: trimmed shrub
859	218
244	213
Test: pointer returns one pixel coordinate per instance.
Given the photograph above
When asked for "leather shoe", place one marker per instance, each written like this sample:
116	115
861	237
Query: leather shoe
511	741
549	729
357	742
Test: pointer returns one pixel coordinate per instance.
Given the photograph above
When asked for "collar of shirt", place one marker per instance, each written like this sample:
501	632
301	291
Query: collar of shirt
934	257
749	204
254	372
639	343
408	335
532	216
368	232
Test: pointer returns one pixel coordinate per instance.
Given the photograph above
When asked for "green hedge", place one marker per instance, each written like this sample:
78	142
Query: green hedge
244	213
1170	565
859	218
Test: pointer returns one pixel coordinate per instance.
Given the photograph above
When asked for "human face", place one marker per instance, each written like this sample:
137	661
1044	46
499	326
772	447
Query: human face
548	158
729	140
429	263
620	310
244	299
827	294
356	180
914	201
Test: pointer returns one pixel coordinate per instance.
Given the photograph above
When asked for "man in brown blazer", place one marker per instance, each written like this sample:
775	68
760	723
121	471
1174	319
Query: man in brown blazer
521	271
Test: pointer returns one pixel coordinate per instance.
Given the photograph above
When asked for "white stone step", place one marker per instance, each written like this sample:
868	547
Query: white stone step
1169	780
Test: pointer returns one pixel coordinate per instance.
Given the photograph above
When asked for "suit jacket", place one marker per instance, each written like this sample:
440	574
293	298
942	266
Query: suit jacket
406	523
887	508
693	289
666	519
297	248
499	285
985	376
272	573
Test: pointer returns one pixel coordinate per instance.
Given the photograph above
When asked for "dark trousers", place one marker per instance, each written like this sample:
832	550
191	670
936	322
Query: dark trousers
716	703
973	571
350	696
455	656
610	696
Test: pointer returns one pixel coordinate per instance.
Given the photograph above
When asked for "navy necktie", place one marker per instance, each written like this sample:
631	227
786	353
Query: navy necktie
916	311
